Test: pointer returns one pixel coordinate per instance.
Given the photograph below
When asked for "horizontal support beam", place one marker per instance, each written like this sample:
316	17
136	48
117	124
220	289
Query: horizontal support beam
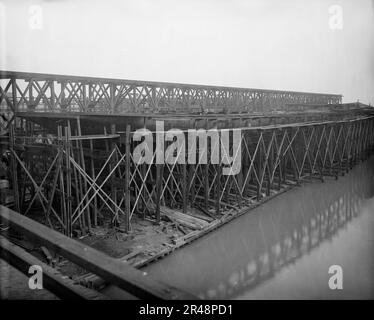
95	137
53	282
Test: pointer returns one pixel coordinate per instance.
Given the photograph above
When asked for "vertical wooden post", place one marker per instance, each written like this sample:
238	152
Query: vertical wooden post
56	175
127	180
218	181
78	186
14	168
241	172
294	160
93	177
143	203
62	186
259	168
158	191
68	181
85	188
110	167
269	162
347	149
113	179
353	149
206	168
184	182
158	181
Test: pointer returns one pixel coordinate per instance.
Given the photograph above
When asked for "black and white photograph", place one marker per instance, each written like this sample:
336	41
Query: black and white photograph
201	151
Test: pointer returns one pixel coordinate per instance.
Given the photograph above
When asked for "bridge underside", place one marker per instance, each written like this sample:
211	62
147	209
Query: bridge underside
92	123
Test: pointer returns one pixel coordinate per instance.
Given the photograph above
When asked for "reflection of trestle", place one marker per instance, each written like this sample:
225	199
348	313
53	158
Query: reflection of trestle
78	177
320	217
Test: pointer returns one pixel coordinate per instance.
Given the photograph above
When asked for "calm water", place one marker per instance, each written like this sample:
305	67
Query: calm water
284	248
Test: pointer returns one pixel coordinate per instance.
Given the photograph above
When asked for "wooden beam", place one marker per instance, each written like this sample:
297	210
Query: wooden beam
53	281
111	270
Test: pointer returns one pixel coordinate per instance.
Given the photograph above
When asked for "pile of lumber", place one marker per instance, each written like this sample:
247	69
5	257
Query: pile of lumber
183	219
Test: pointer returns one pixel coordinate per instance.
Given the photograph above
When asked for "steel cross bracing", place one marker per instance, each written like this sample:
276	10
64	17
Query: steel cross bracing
30	92
76	177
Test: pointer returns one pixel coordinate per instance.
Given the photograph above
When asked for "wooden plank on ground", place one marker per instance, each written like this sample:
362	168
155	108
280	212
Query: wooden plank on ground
184	218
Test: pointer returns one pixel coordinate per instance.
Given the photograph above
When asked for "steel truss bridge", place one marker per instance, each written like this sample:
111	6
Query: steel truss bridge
61	93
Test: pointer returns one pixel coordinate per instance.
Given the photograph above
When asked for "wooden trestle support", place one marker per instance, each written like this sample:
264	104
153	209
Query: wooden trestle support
76	177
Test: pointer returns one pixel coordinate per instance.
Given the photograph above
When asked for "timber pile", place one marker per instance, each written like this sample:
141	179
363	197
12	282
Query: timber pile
183	219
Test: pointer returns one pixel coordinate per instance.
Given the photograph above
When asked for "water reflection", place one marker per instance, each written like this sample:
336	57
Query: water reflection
253	248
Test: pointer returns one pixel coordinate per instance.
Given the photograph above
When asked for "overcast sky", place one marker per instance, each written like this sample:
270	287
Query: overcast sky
269	44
